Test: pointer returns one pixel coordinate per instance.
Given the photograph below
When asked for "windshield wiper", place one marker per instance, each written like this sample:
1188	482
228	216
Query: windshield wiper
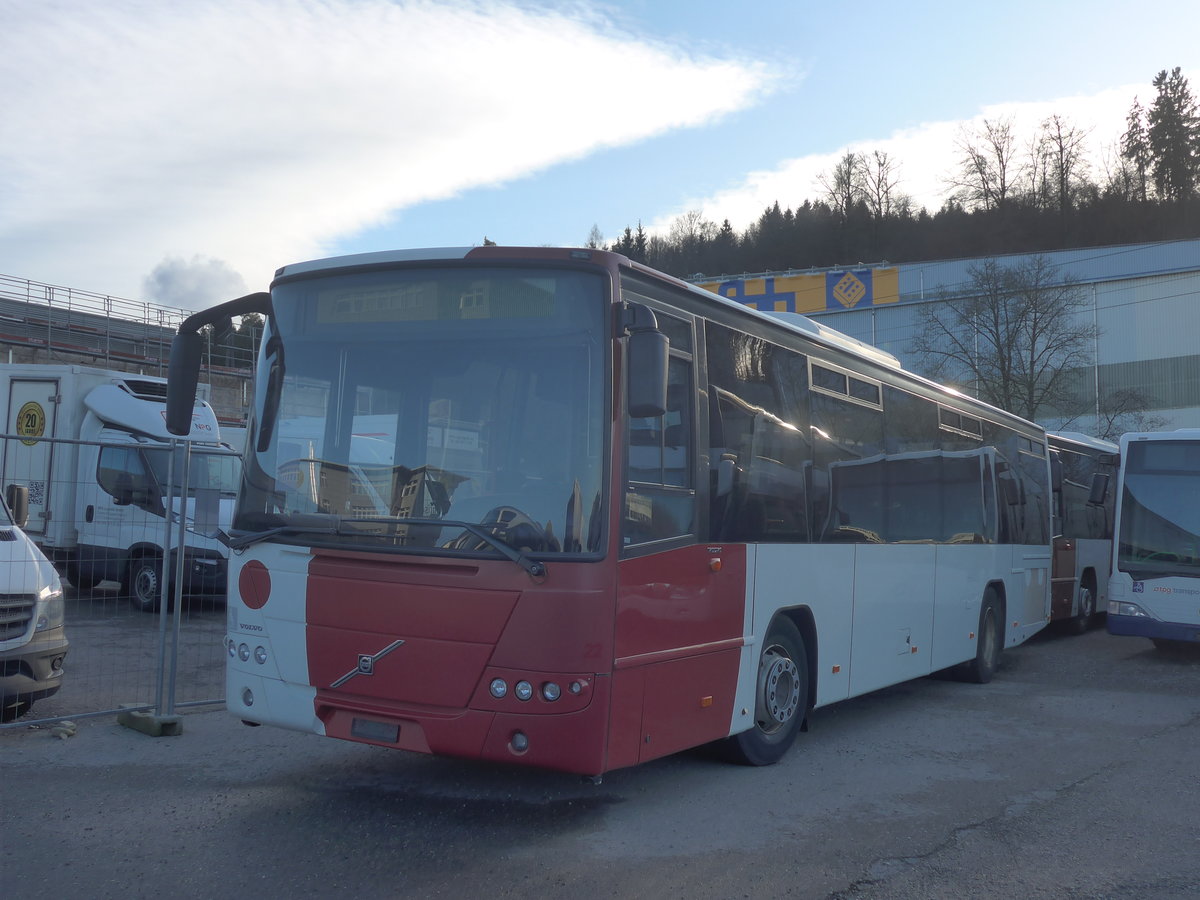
310	524
331	524
532	566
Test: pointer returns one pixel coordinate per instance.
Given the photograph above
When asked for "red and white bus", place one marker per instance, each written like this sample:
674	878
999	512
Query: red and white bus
1083	475
551	507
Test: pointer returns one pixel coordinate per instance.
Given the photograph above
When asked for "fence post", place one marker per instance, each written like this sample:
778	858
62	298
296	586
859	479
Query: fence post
177	588
163	722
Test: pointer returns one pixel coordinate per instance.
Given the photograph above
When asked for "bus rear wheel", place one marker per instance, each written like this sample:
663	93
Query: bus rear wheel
1087	610
780	699
990	640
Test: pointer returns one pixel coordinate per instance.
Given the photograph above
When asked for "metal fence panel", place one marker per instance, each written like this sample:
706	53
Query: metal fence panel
122	657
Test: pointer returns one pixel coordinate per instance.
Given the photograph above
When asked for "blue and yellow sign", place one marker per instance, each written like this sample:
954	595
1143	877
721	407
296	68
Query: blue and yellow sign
815	292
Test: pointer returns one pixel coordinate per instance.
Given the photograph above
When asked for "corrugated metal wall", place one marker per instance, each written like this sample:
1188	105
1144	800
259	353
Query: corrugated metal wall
1145	298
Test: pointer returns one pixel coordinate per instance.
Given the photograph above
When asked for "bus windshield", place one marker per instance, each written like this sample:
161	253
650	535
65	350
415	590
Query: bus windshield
390	401
1160	519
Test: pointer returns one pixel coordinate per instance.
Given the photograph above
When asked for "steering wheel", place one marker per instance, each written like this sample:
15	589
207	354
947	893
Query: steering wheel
518	530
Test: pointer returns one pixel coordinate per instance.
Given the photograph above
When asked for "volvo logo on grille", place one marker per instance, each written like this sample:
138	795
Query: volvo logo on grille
366	663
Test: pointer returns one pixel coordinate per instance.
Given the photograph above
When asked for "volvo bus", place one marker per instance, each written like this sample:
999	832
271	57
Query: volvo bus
1083	474
1155	581
551	507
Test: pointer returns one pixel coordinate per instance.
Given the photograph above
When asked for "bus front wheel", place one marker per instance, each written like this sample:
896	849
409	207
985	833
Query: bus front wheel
780	699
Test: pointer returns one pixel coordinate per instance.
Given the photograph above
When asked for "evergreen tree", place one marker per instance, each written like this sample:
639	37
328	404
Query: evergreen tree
1174	137
1135	149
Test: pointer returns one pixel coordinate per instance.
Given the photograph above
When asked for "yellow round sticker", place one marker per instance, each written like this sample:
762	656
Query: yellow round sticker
31	422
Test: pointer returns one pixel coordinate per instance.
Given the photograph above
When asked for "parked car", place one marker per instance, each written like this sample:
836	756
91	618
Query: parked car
33	641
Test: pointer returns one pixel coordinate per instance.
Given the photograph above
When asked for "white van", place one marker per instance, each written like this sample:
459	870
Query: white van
33	642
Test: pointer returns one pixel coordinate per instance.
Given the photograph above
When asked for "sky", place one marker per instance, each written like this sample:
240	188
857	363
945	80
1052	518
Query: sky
180	152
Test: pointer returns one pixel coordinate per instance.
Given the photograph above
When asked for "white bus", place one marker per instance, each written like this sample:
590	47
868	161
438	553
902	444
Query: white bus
1155	584
1083	475
604	516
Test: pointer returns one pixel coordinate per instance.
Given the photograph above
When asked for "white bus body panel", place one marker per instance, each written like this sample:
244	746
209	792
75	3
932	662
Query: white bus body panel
886	613
279	688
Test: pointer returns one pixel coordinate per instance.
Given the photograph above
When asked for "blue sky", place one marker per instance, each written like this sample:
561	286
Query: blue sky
181	152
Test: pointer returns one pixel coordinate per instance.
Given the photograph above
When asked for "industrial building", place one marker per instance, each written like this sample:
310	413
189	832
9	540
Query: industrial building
1144	300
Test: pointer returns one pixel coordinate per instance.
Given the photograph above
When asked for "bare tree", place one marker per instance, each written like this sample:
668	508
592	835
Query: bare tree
879	180
1015	335
1066	146
843	187
595	239
692	228
987	165
1125	409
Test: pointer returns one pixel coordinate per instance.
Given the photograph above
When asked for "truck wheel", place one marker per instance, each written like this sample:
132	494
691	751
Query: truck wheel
81	579
144	583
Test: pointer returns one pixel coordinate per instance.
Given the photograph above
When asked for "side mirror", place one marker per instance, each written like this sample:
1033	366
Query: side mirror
122	492
647	352
1099	491
726	469
183	371
1011	491
183	375
1056	472
17	497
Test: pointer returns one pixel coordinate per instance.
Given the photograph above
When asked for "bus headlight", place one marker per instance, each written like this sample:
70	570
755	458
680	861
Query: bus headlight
1118	608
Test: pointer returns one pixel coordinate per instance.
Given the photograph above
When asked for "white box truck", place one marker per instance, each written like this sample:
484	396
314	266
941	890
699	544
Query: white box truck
98	494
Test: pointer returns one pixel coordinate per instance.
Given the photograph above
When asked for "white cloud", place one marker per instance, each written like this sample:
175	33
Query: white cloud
926	155
193	284
255	131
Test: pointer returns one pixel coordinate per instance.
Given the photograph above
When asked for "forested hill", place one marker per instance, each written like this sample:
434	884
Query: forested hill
1006	196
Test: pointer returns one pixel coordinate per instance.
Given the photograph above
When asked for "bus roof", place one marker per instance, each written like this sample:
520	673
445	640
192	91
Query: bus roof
1077	437
795	322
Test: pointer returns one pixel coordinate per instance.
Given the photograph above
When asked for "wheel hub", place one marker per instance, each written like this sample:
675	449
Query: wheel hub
780	690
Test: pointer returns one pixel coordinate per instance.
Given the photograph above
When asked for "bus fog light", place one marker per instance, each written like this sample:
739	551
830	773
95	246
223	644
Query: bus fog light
247	697
551	691
498	688
519	742
260	655
232	647
244	652
523	690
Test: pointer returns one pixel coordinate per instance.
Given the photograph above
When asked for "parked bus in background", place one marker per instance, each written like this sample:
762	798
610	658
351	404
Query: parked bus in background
1155	585
1083	472
551	507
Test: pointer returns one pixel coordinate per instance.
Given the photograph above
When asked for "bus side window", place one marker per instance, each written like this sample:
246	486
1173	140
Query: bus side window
660	498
